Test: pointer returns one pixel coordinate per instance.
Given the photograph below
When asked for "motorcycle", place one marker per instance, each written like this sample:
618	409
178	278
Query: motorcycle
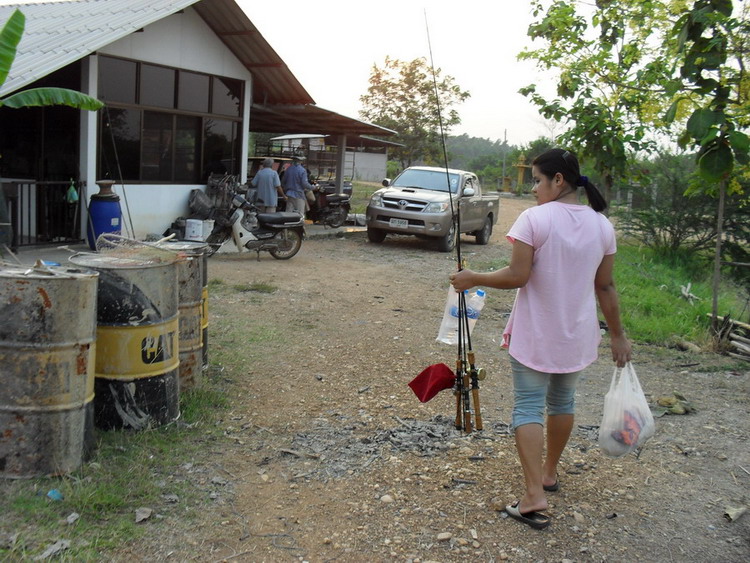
326	207
244	227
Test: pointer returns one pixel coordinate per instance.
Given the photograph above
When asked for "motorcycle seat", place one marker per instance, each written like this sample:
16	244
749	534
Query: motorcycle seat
279	217
337	198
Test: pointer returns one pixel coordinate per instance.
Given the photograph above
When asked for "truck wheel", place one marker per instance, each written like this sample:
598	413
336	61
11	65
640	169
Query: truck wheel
448	242
483	236
375	235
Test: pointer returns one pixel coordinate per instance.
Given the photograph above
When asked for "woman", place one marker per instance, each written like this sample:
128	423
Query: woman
562	261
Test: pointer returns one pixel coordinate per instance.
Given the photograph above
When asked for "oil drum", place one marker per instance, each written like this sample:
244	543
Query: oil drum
47	350
190	275
137	338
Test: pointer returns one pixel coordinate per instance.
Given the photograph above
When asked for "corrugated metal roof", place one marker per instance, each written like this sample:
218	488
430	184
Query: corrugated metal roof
59	33
282	118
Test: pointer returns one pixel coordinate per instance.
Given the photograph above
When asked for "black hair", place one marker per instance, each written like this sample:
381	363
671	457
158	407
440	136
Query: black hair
565	162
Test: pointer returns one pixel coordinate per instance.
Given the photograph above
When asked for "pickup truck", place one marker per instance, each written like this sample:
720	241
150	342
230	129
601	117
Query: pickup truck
418	202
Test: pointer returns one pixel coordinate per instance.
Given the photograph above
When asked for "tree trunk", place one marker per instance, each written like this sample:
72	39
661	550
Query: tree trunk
717	258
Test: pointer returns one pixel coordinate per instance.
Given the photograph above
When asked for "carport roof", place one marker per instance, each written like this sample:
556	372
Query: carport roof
58	34
282	118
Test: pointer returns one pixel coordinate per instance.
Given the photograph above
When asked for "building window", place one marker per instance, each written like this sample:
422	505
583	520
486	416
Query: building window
227	97
140	144
193	92
156	147
187	157
117	80
120	141
157	86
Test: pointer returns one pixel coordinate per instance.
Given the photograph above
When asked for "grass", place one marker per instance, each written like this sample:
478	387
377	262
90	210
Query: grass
128	470
258	287
652	305
361	192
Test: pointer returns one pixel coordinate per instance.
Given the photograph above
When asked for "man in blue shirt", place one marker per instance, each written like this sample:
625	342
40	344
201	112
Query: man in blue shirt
295	183
269	187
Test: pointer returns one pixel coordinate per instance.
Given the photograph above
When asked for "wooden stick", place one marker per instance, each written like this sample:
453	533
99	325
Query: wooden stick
738	323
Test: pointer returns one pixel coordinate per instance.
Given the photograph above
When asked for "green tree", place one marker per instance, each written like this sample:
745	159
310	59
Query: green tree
402	97
713	47
608	65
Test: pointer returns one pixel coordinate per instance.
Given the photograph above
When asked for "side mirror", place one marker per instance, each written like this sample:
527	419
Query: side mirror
468	192
386	182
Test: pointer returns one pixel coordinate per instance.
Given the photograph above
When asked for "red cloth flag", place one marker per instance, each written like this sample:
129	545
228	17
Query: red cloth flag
431	381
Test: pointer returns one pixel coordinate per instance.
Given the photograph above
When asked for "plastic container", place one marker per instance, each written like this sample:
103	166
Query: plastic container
105	216
474	305
194	230
448	333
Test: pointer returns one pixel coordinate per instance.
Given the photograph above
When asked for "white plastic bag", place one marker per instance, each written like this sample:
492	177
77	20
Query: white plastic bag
627	421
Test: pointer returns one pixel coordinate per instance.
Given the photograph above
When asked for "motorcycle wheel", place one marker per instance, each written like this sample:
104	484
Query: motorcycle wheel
289	241
337	220
214	241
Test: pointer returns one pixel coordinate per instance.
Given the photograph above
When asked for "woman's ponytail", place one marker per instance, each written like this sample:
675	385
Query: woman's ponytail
595	197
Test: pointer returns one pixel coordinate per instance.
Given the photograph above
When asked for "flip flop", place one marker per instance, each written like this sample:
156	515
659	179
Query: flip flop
554	487
535	519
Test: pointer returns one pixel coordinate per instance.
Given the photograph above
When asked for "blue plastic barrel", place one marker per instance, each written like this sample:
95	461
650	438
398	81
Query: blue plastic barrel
105	216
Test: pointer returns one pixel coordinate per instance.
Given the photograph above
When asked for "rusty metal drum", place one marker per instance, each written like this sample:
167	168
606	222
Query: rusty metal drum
47	351
191	275
137	339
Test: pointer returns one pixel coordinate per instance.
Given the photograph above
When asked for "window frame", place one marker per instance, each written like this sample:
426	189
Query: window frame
175	113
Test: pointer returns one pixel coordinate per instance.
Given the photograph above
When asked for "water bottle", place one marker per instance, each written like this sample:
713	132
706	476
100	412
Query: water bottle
474	306
448	333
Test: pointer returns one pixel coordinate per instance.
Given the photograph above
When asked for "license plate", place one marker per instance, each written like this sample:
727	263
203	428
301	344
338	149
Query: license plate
400	223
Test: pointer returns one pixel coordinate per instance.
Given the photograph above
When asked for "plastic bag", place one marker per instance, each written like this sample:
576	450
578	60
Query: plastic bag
627	421
71	196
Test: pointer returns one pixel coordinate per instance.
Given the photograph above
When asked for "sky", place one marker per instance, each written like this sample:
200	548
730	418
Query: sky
331	46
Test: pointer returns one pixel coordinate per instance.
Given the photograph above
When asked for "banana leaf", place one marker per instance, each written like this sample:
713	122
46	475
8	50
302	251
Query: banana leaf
10	36
51	97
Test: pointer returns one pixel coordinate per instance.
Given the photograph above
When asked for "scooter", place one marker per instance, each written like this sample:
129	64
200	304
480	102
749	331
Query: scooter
326	207
246	229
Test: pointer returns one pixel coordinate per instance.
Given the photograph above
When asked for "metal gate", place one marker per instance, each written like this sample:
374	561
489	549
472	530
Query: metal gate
41	212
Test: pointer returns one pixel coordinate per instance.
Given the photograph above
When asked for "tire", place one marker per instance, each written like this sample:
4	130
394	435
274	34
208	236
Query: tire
375	235
215	240
448	242
483	235
290	241
338	220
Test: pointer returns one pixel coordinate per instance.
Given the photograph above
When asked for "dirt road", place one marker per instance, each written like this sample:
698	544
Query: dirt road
330	457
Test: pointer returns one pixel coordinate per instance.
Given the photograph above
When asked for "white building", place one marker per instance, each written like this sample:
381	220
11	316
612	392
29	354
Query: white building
365	158
183	81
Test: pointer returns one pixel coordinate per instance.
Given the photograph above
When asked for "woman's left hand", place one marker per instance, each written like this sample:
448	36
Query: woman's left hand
622	351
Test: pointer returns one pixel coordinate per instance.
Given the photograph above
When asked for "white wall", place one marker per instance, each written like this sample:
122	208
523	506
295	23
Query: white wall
183	41
368	167
151	209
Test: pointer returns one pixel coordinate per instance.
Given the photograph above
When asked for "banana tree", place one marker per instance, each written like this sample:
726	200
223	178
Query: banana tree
10	36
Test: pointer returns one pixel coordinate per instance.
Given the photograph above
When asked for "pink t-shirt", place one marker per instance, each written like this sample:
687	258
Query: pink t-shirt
554	323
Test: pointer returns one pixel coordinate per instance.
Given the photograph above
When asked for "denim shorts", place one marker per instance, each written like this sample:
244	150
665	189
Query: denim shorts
533	390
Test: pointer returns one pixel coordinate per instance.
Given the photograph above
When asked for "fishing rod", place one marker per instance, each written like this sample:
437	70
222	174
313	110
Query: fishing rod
467	376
